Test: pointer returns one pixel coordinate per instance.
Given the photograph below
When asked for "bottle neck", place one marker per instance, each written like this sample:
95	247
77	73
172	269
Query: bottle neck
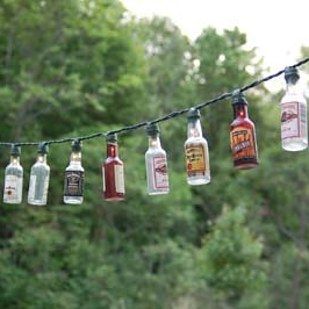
240	111
293	88
154	141
194	128
14	160
112	150
42	158
76	158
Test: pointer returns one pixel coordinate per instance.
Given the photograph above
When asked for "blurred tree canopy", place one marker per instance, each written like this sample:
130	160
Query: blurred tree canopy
71	68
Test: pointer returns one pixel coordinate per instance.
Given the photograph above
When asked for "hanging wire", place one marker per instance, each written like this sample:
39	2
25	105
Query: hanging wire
166	117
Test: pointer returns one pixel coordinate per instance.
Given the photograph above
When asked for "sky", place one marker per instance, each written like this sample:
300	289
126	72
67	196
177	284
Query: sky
276	28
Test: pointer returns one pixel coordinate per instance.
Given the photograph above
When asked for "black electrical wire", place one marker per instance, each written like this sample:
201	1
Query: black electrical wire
167	117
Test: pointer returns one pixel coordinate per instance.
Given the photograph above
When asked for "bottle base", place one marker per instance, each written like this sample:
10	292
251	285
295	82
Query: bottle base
11	202
198	182
114	199
158	192
247	166
72	201
36	203
295	146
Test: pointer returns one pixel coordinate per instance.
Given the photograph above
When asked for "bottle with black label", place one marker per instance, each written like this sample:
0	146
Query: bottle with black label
243	137
196	151
74	177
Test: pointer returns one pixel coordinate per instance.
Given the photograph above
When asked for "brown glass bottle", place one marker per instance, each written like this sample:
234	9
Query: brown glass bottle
242	132
113	176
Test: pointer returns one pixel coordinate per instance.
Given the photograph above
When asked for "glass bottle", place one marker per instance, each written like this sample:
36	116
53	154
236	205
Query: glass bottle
294	128
74	176
39	178
13	182
243	136
112	172
156	163
196	151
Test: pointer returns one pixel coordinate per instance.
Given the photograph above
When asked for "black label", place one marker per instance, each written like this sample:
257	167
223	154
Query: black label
74	183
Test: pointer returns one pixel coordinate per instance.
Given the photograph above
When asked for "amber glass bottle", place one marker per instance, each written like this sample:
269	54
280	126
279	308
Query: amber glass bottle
243	137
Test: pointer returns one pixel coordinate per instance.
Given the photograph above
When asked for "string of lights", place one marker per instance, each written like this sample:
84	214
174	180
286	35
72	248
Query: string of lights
164	118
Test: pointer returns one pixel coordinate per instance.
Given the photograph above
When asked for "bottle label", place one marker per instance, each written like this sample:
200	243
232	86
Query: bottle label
12	188
119	178
293	115
160	176
195	157
243	144
74	183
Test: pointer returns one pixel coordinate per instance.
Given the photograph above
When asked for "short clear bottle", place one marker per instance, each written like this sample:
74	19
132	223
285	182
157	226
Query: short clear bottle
294	127
74	177
156	163
196	151
39	178
13	182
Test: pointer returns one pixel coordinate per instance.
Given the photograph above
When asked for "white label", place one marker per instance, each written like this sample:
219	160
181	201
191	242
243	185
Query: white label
12	188
160	176
119	178
103	177
290	120
32	187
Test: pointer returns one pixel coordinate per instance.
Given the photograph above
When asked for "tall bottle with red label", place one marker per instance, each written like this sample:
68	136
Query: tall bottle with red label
156	163
294	128
243	136
196	151
112	170
13	181
74	176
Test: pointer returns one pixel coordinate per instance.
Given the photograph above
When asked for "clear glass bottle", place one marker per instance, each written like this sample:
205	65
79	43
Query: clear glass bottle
74	177
13	181
156	163
112	172
294	128
196	151
39	178
243	136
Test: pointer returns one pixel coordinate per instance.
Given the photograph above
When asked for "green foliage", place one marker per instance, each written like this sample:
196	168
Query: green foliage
232	258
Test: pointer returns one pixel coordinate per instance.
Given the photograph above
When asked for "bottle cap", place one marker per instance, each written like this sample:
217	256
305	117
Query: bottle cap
43	148
194	113
76	145
291	75
112	138
15	150
152	129
238	98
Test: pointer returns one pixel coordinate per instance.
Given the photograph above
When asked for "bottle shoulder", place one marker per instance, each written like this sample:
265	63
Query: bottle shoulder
74	167
155	151
242	122
196	140
40	166
293	97
113	160
13	167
